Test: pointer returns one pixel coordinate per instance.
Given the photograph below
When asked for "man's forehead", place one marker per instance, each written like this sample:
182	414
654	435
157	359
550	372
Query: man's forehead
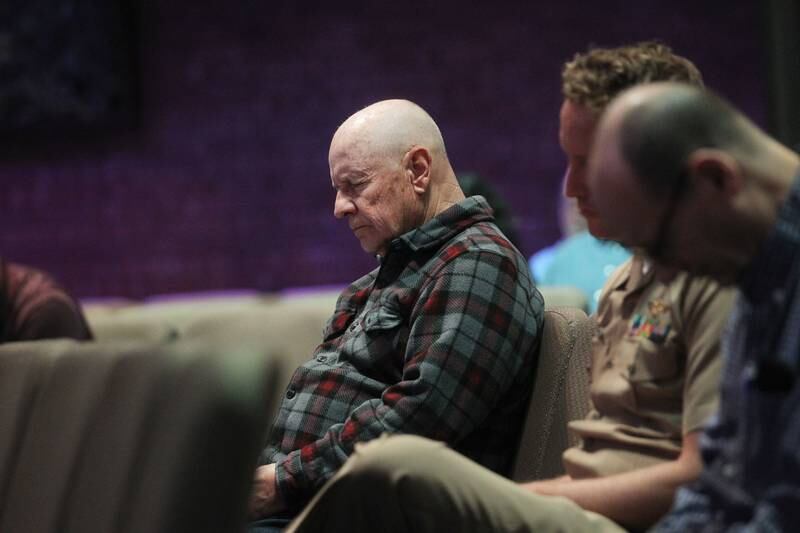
576	126
605	148
344	150
340	142
346	165
578	110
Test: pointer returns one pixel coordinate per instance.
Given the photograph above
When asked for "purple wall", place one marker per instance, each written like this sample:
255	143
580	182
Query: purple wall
226	185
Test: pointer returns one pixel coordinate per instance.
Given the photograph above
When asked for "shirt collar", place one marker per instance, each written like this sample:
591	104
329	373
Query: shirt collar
441	228
637	275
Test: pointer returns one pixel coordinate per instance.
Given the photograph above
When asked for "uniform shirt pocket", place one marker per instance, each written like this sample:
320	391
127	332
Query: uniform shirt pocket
656	376
654	361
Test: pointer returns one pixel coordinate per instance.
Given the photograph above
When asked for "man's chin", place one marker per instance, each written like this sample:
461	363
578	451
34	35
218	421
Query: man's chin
373	250
597	230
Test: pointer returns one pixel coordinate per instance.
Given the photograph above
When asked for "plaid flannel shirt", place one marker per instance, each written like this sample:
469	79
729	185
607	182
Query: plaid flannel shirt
441	341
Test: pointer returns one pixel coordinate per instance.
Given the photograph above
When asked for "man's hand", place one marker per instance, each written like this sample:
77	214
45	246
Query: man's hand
636	499
265	499
547	487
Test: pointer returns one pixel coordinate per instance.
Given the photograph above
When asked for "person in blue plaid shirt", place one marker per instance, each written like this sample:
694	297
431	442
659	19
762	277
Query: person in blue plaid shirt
440	340
713	194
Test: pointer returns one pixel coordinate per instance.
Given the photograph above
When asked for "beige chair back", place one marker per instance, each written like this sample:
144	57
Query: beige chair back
100	437
560	393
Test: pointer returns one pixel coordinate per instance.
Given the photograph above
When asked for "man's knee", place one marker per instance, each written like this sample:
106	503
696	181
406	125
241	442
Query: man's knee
387	456
384	470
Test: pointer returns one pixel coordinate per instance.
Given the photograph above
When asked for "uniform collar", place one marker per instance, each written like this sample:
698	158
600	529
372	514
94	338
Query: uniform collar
444	226
639	274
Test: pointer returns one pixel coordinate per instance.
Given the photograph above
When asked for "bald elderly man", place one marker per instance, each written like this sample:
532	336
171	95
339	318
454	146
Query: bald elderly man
713	194
655	370
440	340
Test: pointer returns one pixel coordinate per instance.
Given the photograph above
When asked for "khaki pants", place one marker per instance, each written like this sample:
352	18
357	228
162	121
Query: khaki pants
405	483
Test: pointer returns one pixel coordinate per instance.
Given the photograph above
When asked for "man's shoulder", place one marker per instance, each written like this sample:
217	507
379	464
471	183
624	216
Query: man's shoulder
482	236
618	276
481	250
358	286
701	293
26	286
38	307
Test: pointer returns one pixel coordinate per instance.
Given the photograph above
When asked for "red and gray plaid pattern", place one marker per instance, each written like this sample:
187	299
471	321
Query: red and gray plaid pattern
440	341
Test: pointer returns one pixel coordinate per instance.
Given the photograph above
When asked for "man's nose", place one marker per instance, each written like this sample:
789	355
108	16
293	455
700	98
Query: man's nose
342	206
574	182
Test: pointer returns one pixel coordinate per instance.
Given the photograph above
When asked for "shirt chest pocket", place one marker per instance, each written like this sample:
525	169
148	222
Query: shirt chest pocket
656	374
379	341
385	329
653	342
655	361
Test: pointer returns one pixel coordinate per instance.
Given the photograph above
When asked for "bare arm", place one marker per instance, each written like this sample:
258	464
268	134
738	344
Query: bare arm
633	499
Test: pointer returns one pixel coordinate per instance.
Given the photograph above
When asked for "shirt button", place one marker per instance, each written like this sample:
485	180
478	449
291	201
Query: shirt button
778	296
729	471
291	393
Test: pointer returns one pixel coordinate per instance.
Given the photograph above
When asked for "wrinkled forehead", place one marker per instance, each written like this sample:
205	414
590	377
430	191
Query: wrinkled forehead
352	158
346	147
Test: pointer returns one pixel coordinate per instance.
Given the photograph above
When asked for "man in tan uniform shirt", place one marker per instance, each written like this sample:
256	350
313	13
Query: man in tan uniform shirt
655	372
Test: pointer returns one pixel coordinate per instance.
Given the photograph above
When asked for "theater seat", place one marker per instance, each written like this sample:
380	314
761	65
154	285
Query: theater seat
560	393
155	437
563	296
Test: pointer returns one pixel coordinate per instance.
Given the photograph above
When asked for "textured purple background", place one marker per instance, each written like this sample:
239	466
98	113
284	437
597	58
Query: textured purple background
225	184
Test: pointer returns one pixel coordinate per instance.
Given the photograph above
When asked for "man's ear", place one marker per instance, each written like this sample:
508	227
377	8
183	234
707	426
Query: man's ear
418	167
717	169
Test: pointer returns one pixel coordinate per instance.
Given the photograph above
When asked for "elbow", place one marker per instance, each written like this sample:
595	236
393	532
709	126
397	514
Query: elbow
689	463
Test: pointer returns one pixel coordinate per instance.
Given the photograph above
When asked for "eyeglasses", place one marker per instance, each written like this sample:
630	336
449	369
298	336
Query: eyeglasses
658	248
